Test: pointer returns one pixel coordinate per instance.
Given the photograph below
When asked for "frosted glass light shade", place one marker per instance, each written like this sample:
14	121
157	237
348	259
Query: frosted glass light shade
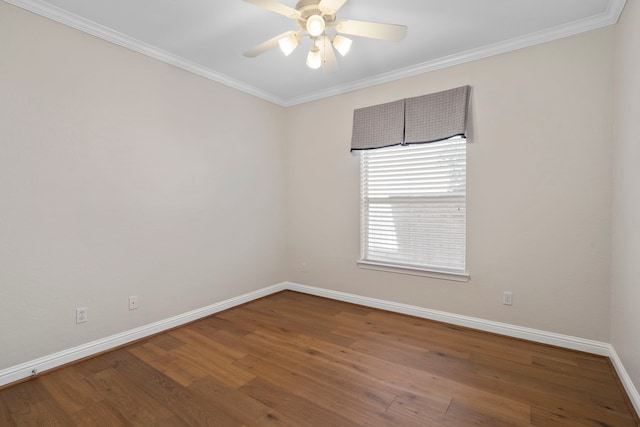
288	44
314	58
342	44
315	25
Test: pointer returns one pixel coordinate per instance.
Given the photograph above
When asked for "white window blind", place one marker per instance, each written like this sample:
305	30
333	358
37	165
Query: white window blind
413	200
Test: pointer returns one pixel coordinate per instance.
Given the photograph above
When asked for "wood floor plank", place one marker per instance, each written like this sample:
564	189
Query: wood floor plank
99	414
351	405
419	407
30	404
214	365
217	322
555	385
5	415
196	339
194	410
167	342
292	359
401	352
597	364
464	413
560	417
271	321
180	370
394	376
126	398
93	364
70	391
320	303
238	404
443	338
302	412
147	351
311	362
500	407
603	377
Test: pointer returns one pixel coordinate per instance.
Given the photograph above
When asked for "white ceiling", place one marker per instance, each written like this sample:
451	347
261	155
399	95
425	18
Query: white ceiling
208	37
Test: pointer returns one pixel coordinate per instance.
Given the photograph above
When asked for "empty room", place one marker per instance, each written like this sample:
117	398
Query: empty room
319	213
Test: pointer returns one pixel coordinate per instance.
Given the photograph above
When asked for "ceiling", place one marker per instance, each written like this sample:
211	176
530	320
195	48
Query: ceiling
208	37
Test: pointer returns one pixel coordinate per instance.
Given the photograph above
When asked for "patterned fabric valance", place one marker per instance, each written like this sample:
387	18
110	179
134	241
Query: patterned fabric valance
418	120
378	126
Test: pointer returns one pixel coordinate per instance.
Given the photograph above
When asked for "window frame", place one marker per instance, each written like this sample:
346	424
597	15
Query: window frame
374	263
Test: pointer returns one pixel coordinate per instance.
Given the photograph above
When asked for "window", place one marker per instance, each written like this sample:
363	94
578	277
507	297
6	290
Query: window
413	184
413	201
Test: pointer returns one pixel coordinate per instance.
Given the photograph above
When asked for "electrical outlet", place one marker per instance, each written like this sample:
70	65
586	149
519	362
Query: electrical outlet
303	267
82	314
133	303
507	298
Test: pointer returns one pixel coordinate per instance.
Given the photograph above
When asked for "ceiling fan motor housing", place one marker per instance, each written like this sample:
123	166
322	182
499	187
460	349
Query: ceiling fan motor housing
309	8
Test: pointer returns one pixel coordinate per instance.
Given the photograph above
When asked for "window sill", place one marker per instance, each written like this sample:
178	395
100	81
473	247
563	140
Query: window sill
414	271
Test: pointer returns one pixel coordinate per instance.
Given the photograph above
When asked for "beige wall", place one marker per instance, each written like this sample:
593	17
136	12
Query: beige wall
625	330
119	176
539	185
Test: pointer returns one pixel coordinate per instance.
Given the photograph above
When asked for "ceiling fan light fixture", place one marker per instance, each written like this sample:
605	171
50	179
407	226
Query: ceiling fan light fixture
342	44
288	44
314	58
316	19
315	25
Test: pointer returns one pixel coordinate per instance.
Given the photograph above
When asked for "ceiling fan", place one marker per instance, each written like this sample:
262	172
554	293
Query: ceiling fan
317	20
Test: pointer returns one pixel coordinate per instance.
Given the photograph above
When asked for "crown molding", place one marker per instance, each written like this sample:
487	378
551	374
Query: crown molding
609	17
87	26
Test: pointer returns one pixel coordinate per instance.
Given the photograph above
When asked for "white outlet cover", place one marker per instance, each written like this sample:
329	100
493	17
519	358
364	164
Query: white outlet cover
82	314
507	298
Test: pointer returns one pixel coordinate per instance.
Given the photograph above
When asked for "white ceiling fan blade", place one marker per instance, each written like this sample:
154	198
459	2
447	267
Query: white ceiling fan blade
331	6
276	7
329	61
372	30
265	46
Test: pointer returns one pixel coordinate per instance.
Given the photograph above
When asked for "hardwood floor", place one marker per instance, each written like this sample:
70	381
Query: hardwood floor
297	360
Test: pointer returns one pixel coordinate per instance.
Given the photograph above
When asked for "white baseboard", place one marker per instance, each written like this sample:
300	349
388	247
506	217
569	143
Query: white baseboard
631	389
565	341
25	370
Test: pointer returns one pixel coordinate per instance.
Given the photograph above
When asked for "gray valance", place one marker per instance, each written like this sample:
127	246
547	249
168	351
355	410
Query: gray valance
418	120
378	126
